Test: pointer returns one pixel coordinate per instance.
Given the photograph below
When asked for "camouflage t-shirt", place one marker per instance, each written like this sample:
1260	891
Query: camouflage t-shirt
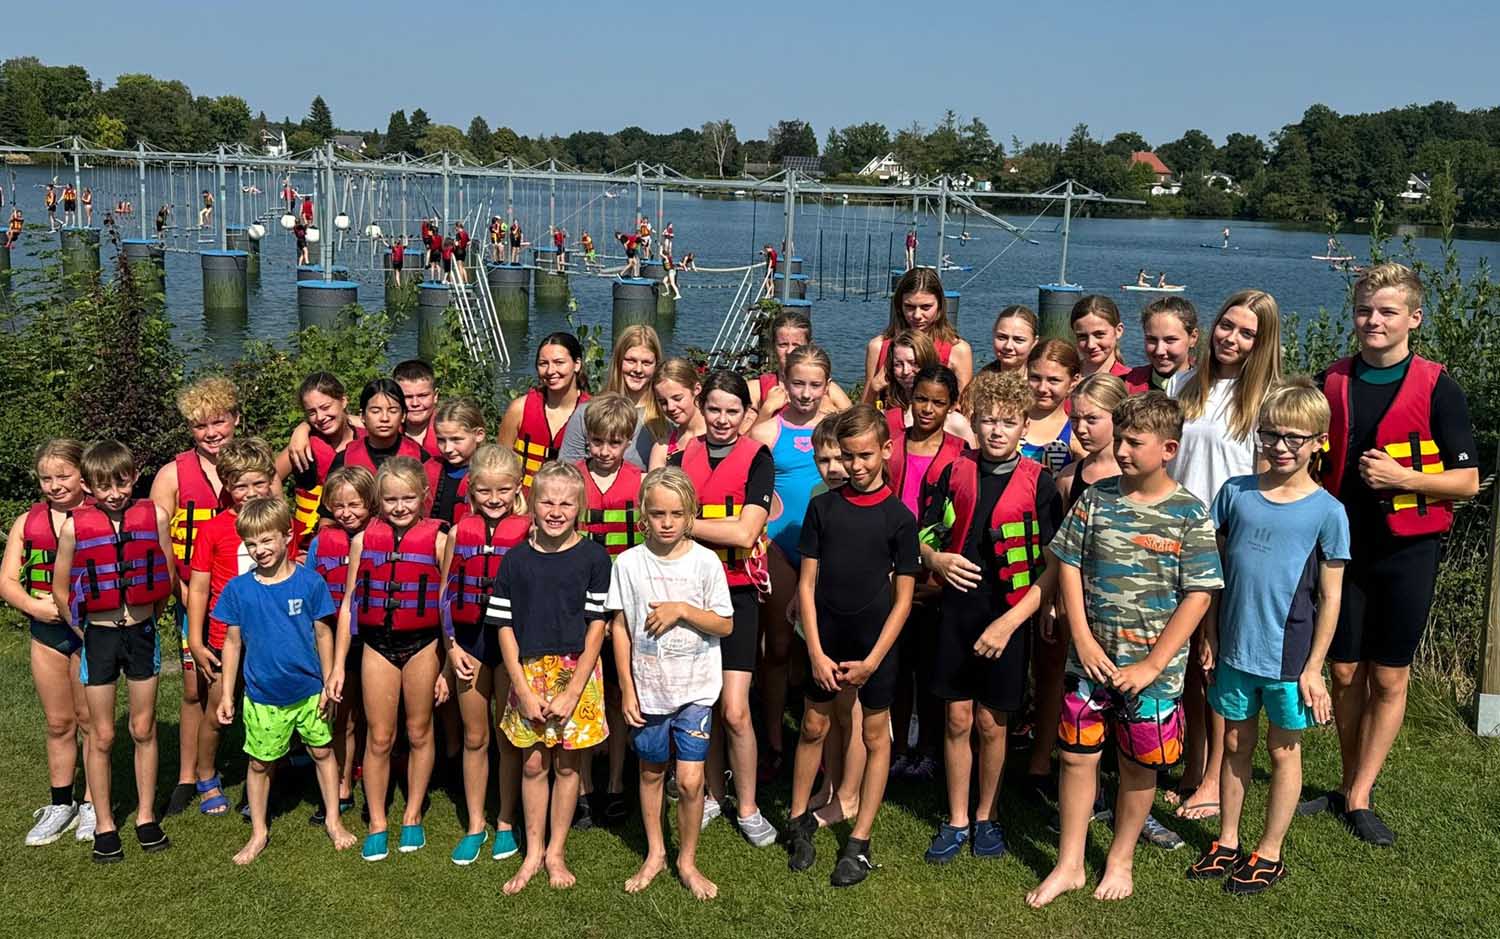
1138	561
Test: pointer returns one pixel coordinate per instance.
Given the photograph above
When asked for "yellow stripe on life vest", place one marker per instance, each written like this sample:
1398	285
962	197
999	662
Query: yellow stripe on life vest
718	511
178	528
1402	451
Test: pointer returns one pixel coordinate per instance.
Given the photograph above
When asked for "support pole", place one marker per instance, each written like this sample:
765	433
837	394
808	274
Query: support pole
791	223
142	210
551	196
510	197
404	216
639	186
942	220
1062	271
219	227
77	186
660	224
445	191
325	228
1487	711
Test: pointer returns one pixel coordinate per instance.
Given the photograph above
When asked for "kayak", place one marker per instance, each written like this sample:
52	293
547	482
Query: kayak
1170	288
1333	257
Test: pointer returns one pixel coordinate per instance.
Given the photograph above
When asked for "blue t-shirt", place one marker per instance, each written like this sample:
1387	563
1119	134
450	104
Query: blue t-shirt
276	630
1272	551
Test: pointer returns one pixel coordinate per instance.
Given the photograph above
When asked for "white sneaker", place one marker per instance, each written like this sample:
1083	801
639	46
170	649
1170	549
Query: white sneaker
87	821
757	830
52	821
711	810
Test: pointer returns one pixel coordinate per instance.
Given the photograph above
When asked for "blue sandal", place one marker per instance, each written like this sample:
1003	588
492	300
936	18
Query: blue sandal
376	846
413	838
213	805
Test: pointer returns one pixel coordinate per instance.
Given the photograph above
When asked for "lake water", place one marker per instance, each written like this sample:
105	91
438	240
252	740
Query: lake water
1103	254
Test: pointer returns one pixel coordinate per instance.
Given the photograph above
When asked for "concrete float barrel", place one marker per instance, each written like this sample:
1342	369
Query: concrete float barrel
315	272
432	307
799	286
551	285
224	281
666	305
510	285
80	252
148	262
950	306
237	239
1054	304
794	265
320	302
634	302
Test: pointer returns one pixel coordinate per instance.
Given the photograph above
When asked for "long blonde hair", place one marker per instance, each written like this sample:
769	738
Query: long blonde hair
1261	371
638	335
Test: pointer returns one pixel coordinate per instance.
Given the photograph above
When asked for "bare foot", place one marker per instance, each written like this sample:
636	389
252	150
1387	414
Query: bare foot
340	836
1203	803
1059	882
558	875
650	867
252	848
529	869
835	811
1115	884
693	879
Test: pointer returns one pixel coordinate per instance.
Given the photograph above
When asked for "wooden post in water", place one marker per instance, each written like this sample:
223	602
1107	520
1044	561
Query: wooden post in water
1487	710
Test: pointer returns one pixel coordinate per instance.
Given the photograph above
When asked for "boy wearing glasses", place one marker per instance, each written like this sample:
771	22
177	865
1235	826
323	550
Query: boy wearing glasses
1283	540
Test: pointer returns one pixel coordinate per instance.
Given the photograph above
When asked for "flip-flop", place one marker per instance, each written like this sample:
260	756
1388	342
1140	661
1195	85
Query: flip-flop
213	805
1200	811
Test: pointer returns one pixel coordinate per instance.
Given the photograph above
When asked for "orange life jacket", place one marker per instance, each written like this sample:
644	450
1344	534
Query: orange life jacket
197	502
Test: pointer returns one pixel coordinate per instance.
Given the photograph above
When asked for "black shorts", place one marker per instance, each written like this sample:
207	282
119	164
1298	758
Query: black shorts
515	242
397	263
1388	588
110	650
918	643
447	265
59	636
460	253
847	637
399	646
959	673
741	647
480	641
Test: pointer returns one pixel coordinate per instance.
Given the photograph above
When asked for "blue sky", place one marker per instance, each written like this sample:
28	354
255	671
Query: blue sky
1033	72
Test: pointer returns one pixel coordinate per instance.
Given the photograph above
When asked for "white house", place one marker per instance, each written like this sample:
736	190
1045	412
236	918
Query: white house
887	169
1220	180
1418	190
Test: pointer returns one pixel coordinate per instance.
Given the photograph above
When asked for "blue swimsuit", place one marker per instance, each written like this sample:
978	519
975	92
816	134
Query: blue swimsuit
796	477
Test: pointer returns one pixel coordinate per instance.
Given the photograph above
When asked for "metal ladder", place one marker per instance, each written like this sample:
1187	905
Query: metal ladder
737	330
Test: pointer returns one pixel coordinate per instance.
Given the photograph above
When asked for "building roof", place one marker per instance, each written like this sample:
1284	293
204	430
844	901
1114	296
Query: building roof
1151	160
349	141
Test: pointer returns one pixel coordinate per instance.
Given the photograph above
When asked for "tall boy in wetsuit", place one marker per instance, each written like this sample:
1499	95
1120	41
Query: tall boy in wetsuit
1401	452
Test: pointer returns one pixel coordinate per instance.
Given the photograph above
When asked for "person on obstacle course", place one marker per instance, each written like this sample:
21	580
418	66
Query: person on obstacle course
497	239
1401	452
668	234
1005	508
70	205
548	607
590	254
911	248
768	286
307	210
1170	328
189	490
1285	542
26	579
559	249
398	257
460	432
446	253
163	216
643	230
922	457
427	234
1137	567
632	369
674	610
461	252
612	517
669	275
917	303
348	498
805	377
1095	321
788	330
534	423
325	409
515	241
247	470
116	553
677	388
631	245
14	226
859	565
87	199
690	262
382	410
497	523
279	619
1220	400
49	198
206	214
391	601
735	478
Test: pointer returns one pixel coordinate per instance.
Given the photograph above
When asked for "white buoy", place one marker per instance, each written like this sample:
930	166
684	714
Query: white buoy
256	231
288	221
312	236
341	222
375	233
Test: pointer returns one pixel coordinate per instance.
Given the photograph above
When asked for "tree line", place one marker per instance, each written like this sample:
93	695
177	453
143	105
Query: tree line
1326	164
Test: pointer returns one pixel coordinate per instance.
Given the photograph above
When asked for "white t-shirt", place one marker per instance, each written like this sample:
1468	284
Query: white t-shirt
1208	456
683	665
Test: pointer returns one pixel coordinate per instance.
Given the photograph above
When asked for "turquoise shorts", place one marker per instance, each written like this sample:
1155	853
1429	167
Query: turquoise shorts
1239	696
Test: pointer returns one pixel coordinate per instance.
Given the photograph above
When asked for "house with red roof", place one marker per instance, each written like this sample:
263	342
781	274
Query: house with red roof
1165	184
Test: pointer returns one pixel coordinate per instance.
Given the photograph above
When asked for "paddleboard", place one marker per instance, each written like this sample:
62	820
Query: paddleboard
1205	244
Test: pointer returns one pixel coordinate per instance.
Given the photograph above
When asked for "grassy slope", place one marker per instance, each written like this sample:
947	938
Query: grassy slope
1439	796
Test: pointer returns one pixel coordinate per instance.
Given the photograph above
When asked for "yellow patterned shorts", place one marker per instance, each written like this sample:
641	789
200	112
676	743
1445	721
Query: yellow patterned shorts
548	677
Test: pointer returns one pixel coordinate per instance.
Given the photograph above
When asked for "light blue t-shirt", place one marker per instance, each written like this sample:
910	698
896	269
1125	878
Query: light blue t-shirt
277	633
1272	551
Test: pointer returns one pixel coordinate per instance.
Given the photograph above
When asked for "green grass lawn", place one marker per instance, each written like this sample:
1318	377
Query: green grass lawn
1440	796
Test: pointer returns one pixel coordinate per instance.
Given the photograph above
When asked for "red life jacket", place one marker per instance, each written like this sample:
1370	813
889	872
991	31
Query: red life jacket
38	550
767	381
331	560
1119	369
613	518
721	495
305	501
358	452
1404	432
895	469
895	422
436	480
535	442
115	569
1013	524
429	440
944	352
398	253
1138	379
477	553
196	503
399	581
